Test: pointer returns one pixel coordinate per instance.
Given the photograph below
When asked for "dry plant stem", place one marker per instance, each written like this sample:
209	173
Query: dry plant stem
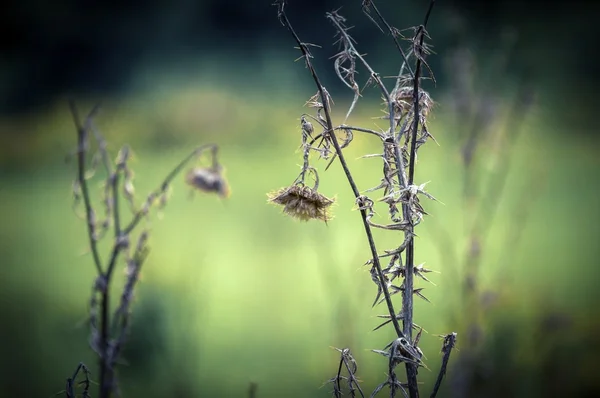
338	389
82	143
82	138
407	299
106	376
352	393
106	373
107	351
349	363
71	381
104	278
303	48
449	342
407	294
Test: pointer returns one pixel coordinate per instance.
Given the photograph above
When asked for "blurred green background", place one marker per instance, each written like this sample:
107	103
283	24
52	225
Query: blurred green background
234	292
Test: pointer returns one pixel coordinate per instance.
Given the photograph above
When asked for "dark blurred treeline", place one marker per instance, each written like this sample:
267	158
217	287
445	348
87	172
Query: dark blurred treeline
89	47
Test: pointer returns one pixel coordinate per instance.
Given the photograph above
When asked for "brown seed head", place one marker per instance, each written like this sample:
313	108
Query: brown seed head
404	101
303	202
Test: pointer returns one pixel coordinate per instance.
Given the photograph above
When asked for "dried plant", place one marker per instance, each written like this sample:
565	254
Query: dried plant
347	362
109	329
72	383
407	107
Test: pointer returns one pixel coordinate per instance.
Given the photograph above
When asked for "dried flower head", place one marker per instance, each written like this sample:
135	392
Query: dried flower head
208	179
403	101
303	202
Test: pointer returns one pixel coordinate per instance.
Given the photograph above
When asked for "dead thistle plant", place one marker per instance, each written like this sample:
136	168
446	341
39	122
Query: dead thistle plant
108	327
407	107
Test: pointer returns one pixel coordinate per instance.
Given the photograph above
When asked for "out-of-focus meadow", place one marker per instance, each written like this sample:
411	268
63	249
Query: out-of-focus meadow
235	292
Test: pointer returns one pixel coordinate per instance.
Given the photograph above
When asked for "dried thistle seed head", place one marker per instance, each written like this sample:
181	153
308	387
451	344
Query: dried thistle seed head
403	99
302	202
208	179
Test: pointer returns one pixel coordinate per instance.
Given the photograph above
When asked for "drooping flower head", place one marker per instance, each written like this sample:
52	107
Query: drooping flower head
208	179
302	202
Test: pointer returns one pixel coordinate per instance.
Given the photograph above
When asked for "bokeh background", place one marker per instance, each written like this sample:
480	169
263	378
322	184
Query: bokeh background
234	292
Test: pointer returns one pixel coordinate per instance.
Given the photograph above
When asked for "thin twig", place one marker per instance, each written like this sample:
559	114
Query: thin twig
82	143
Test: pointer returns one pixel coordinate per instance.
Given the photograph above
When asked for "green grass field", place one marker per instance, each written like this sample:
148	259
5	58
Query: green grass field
234	291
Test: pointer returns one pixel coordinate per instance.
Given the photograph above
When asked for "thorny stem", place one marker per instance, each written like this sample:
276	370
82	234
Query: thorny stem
349	363
351	378
404	181
407	299
338	391
284	20
407	302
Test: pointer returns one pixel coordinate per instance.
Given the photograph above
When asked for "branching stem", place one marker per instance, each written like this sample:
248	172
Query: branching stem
284	20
